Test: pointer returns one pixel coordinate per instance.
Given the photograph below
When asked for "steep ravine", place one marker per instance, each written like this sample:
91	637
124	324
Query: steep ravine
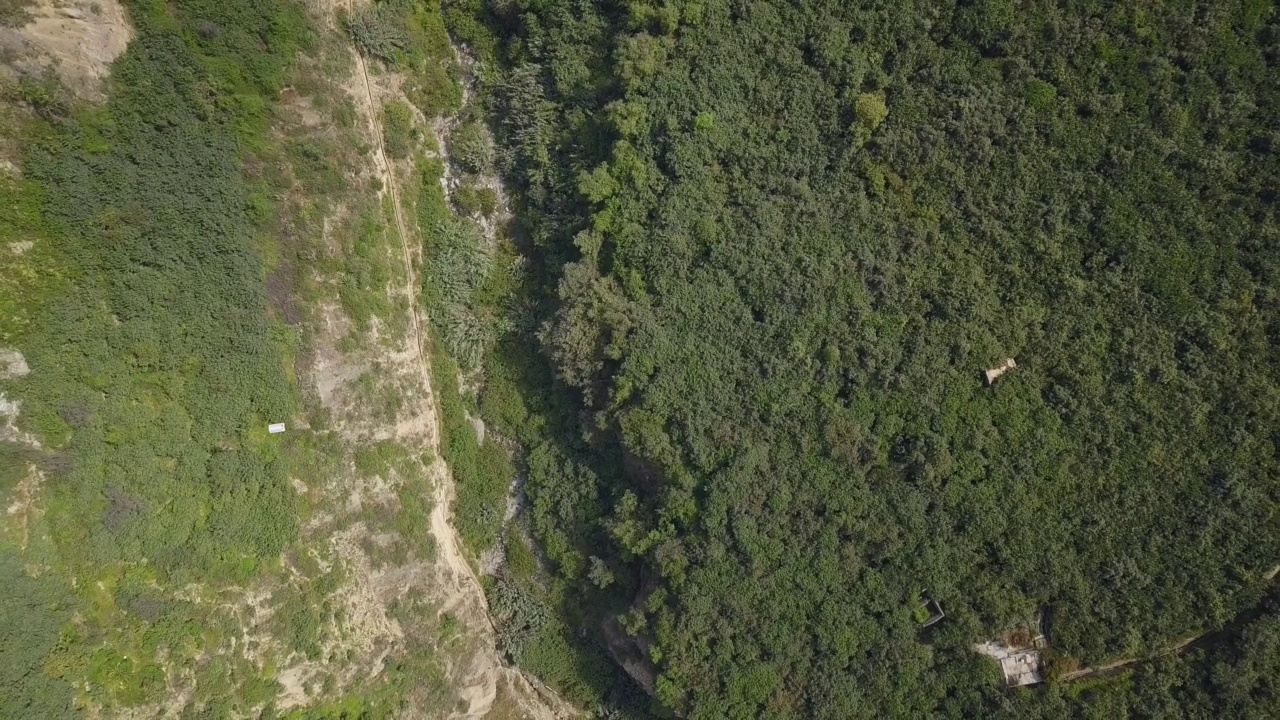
466	594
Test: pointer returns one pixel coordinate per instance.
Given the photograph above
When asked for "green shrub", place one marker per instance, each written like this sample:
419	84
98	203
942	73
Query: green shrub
15	13
435	90
519	614
378	31
1041	95
430	203
471	148
521	562
155	366
871	110
42	93
473	198
457	268
467	22
397	129
32	612
482	470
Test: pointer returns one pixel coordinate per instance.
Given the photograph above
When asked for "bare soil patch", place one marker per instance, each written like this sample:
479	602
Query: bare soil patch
77	39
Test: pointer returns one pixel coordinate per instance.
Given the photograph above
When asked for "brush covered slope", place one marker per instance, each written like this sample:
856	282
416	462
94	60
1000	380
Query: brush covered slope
211	242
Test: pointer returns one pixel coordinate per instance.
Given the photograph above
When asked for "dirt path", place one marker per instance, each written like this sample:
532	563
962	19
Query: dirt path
466	590
446	537
1113	667
466	596
1181	646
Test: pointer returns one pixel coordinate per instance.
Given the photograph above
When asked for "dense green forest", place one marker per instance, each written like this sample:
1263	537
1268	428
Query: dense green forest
163	326
141	310
1227	674
147	493
762	252
774	245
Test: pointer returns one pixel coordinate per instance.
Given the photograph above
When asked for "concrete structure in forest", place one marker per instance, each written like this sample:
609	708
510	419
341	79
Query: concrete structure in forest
994	373
1019	654
932	609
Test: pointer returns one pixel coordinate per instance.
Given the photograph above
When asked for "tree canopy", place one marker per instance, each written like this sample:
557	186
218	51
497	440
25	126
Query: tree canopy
776	245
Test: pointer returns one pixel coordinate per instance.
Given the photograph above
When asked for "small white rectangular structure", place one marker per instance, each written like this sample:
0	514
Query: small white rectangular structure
274	428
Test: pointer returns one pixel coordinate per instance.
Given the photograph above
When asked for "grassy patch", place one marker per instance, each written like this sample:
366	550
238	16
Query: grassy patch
380	458
471	148
366	268
397	129
413	521
482	470
472	198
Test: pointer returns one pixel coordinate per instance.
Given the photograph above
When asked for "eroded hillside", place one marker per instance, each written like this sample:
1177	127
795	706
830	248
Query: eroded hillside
177	556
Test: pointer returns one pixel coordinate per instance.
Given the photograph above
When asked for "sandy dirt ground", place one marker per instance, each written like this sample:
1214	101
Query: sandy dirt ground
77	39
